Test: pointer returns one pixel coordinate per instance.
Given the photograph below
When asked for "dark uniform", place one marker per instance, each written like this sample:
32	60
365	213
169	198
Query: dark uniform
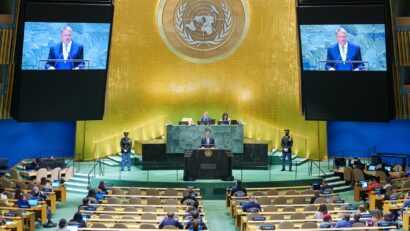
126	152
286	144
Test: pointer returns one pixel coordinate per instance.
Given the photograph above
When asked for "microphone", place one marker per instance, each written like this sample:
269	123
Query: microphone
348	60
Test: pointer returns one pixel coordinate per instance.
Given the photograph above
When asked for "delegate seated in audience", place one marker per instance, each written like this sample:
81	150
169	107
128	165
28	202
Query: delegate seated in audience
102	187
356	219
317	195
376	217
35	192
62	225
195	226
320	212
407	202
327	222
171	220
35	165
21	200
189	196
196	218
381	168
92	195
388	192
357	164
344	223
388	217
238	188
325	186
85	203
78	218
362	209
2	195
2	221
373	183
44	183
188	215
252	204
388	183
52	163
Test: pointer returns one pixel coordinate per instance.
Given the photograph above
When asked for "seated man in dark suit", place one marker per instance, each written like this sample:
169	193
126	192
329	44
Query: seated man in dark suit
317	195
238	188
196	221
341	54
35	165
208	141
65	51
251	204
189	196
206	118
171	220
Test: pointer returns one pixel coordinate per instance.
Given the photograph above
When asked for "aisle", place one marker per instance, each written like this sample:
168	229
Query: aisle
66	210
217	215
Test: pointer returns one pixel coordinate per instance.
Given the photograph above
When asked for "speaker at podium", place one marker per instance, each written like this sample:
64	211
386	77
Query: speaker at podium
208	163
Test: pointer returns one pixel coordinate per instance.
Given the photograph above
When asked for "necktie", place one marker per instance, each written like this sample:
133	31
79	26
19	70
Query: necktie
66	50
343	53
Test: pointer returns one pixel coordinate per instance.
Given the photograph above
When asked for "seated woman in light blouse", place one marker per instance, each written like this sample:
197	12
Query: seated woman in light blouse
225	119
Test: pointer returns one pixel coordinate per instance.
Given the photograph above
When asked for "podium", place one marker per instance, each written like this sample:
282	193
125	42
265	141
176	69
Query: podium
208	163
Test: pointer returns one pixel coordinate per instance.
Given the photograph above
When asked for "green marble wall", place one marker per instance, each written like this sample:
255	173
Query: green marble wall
182	137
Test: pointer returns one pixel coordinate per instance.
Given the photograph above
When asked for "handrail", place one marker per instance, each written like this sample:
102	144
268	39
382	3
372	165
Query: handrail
97	162
312	162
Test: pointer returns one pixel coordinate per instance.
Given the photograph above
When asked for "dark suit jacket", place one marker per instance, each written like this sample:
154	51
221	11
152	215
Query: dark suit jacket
353	54
171	221
237	189
210	145
56	52
208	119
251	204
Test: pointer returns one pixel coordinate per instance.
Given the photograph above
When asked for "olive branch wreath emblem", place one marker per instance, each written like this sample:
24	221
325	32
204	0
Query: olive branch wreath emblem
219	38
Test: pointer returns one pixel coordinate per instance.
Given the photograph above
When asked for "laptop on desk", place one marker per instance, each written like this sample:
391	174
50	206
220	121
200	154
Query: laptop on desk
56	184
33	202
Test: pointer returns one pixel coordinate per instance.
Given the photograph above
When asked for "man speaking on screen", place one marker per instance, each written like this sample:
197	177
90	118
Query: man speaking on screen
67	55
343	55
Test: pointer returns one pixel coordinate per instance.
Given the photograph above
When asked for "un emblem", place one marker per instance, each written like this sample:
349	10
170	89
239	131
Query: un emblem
208	152
203	31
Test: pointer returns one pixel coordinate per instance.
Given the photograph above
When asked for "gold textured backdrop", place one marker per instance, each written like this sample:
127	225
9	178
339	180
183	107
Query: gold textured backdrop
149	85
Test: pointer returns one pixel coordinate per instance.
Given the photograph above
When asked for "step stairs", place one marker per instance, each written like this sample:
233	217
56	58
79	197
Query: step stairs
335	181
78	183
115	160
276	158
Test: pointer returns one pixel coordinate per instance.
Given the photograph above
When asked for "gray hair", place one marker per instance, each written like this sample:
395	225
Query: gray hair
341	29
66	28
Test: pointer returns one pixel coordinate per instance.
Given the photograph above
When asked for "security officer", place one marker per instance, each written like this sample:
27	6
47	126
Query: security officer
126	151
287	143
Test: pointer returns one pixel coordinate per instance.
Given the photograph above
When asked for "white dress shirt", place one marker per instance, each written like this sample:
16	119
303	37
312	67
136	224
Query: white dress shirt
66	51
343	53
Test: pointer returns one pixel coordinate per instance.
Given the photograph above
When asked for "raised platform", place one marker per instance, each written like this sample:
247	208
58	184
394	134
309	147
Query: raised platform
211	189
155	156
